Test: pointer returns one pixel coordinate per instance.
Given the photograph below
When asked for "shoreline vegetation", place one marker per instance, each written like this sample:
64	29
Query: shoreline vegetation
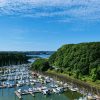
12	58
86	85
79	63
42	66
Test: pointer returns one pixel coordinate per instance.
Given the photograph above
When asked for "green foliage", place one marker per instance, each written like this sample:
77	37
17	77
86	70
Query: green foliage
81	59
40	65
11	58
77	74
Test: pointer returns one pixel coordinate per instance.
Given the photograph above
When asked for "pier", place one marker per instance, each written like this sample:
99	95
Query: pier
32	94
18	95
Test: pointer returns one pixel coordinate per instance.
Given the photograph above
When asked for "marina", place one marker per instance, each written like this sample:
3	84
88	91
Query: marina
24	82
19	82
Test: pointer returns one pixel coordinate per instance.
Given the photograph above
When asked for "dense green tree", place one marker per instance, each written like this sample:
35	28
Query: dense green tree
11	58
40	65
81	59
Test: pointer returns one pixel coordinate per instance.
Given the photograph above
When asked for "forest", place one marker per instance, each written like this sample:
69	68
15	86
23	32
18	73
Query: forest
78	60
40	65
81	61
12	58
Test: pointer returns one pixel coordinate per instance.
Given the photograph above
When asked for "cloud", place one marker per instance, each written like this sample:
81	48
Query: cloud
62	9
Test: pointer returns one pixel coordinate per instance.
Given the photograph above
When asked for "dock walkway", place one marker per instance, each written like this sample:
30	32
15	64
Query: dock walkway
32	94
18	95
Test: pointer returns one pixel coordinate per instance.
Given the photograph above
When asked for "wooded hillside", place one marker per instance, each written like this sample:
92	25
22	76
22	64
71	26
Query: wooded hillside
78	59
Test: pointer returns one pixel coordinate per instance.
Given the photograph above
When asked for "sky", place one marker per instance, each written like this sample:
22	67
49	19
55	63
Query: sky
46	25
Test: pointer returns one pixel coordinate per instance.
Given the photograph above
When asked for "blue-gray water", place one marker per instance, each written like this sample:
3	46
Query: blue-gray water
8	94
41	56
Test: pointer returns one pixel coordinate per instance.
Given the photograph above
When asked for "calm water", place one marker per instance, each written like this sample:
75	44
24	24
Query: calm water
8	93
42	56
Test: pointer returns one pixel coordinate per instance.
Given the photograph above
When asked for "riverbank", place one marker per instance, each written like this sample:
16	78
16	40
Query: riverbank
81	84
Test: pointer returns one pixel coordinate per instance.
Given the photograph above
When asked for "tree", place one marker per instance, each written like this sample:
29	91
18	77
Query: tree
12	58
83	57
40	65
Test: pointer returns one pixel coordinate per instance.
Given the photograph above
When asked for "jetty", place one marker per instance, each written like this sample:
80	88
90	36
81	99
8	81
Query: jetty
32	94
18	95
